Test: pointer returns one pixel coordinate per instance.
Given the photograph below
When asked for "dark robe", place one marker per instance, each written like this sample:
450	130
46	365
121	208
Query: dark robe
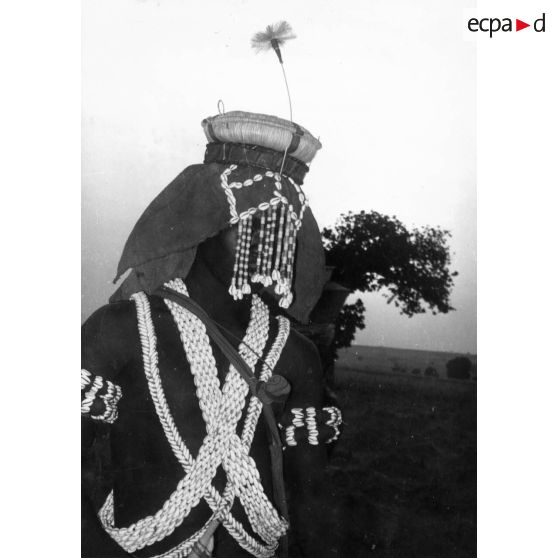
132	455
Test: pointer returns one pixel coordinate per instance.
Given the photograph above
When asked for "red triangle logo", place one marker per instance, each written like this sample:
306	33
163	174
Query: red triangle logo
519	25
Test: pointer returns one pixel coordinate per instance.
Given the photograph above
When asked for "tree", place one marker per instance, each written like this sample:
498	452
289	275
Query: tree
349	320
373	252
459	368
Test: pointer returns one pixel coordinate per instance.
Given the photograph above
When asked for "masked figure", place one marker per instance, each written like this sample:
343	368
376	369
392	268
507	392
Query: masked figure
192	367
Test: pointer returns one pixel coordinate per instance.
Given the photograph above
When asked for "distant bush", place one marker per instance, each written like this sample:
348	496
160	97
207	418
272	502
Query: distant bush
431	371
459	368
416	371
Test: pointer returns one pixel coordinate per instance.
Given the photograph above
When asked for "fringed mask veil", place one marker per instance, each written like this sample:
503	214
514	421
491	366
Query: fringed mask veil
267	232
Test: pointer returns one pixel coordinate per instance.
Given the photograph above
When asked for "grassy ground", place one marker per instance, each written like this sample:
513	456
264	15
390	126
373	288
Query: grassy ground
403	361
404	471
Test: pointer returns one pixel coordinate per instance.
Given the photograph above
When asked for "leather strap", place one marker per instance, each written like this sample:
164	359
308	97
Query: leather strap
295	141
256	156
210	130
267	392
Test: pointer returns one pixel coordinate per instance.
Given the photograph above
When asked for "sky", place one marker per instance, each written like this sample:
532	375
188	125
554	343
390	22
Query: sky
389	87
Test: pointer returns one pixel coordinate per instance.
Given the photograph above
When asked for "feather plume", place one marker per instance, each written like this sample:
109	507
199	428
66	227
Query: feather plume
274	36
280	32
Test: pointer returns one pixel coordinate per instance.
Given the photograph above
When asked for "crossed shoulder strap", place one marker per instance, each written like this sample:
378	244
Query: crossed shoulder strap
276	389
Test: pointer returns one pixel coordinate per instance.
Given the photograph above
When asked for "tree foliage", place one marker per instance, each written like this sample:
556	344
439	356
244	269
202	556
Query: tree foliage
349	320
374	252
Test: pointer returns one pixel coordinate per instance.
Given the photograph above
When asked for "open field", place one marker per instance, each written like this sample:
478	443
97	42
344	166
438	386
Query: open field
404	471
389	360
